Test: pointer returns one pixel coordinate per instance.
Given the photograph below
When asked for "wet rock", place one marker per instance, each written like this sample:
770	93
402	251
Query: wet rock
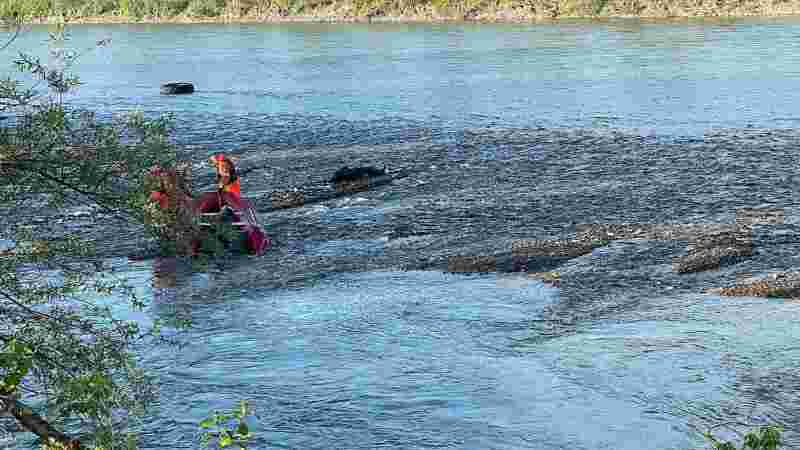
784	284
736	237
354	173
713	250
356	185
710	246
471	264
568	247
700	259
357	179
288	199
755	216
666	231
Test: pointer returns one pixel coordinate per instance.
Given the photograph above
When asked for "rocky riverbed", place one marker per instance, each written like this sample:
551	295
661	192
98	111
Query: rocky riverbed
673	213
626	227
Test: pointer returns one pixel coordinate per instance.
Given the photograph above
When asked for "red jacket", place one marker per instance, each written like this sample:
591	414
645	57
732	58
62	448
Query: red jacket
161	198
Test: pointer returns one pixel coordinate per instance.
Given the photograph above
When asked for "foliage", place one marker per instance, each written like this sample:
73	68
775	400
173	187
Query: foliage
764	438
227	429
203	8
26	8
15	362
453	8
62	350
125	8
598	6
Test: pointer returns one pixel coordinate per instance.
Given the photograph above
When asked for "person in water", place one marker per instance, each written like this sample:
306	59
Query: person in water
227	180
229	191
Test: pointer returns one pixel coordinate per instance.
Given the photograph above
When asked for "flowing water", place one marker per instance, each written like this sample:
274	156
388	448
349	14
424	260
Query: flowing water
344	335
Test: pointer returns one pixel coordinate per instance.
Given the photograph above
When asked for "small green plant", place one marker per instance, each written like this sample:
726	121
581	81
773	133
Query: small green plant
227	429
124	8
15	362
763	438
598	6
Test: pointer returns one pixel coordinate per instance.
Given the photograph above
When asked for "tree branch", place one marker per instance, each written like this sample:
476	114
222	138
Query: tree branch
27	309
36	424
14	37
90	195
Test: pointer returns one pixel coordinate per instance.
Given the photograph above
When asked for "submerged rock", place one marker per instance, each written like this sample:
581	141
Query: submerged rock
287	199
698	260
471	264
357	179
714	250
710	246
557	247
784	284
354	173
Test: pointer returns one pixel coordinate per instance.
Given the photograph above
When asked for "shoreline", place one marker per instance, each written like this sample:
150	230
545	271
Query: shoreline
508	16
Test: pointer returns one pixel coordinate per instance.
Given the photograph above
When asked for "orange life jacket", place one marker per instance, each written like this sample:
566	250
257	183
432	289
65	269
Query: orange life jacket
235	187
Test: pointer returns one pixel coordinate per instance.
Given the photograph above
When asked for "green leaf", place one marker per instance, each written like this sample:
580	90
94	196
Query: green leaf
225	440
207	423
243	429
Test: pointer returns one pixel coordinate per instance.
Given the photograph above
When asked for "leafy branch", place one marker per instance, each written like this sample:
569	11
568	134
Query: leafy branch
227	429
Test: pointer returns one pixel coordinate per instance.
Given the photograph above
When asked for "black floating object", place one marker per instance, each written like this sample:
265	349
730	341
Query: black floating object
177	88
357	173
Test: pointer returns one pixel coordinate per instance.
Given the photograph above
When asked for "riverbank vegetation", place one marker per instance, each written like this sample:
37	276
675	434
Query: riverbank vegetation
411	10
68	370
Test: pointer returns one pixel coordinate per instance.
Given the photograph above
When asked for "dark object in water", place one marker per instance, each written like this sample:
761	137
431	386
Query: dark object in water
355	179
177	88
355	173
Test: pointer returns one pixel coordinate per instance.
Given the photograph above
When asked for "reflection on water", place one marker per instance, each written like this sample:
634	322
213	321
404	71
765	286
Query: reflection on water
165	273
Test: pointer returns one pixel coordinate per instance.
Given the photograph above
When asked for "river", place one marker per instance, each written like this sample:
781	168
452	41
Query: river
510	132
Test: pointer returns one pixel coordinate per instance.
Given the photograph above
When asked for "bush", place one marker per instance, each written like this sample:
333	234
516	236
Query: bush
204	8
27	8
98	7
764	438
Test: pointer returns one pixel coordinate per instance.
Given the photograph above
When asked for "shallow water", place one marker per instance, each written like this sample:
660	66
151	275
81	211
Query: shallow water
509	132
433	360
